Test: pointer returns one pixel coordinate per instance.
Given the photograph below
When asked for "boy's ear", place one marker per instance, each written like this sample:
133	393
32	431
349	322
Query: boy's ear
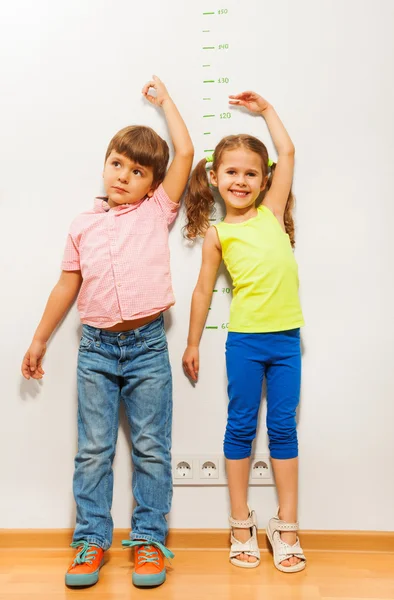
152	191
213	178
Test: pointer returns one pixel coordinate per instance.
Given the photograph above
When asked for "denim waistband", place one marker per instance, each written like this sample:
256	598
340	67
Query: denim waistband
126	337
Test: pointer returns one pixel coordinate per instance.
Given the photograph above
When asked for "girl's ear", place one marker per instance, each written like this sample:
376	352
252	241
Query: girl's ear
264	183
213	178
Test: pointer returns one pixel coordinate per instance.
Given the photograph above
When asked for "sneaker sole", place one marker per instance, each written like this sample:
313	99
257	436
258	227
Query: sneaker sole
83	578
149	580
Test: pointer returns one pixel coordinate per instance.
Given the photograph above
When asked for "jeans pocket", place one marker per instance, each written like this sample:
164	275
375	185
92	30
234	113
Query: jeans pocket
85	343
157	344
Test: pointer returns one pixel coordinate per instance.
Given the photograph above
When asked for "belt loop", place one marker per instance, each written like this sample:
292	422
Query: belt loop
137	337
97	334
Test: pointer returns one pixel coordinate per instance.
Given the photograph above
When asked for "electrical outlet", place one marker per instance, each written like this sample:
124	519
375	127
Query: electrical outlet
209	469
260	469
182	468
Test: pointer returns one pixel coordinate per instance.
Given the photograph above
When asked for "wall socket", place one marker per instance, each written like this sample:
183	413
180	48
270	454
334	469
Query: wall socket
184	469
195	469
260	469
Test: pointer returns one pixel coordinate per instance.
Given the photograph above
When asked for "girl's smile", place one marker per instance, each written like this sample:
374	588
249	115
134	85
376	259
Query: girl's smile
239	193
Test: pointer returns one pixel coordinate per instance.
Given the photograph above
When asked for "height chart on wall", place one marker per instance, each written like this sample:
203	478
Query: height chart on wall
217	60
222	70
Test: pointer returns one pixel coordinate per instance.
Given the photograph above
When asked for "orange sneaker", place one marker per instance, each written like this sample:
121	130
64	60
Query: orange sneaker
149	567
84	570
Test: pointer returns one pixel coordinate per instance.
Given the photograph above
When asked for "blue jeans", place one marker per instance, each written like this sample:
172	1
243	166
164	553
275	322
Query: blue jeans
132	366
250	357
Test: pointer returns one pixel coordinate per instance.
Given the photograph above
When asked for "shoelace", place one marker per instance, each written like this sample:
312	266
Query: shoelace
84	555
148	553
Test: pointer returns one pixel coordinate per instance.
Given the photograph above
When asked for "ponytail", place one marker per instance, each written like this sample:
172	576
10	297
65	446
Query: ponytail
288	215
199	202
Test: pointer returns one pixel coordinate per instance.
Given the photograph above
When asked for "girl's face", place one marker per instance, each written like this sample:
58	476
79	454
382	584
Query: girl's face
125	181
239	178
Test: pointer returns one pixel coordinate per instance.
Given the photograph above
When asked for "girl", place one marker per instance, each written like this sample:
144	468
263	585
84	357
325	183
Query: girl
117	258
255	241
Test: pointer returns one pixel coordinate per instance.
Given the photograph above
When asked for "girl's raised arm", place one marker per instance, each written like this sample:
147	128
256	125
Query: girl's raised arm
277	196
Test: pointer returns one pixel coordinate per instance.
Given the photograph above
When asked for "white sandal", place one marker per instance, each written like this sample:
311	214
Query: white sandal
281	550
250	547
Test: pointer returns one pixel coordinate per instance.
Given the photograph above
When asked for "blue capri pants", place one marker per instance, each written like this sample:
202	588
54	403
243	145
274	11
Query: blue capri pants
250	357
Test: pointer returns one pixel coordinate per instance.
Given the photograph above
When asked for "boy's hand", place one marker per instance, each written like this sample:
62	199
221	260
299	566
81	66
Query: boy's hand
191	362
251	101
32	361
161	91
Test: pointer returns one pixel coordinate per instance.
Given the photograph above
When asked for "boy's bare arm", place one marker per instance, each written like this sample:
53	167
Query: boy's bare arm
59	301
178	173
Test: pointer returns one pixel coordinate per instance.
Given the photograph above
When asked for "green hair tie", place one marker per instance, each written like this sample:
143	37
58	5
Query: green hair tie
270	162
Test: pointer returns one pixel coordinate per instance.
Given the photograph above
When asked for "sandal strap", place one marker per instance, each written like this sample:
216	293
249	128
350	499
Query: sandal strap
250	547
285	551
283	526
251	521
241	524
234	553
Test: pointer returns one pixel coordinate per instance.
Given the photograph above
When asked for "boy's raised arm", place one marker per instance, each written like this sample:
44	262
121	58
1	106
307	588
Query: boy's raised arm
178	173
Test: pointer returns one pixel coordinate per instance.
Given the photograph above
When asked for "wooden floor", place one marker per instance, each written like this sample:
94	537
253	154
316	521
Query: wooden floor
199	574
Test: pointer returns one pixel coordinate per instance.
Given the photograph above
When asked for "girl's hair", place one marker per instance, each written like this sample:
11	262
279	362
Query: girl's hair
143	146
199	198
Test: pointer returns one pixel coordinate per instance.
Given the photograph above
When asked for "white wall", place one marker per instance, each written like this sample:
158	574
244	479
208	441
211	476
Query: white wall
71	74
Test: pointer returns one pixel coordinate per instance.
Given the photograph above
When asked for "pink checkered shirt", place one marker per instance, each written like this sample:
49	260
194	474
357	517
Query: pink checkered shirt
124	259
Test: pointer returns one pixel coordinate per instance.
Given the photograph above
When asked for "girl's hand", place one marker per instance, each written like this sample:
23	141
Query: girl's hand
161	91
191	362
32	361
251	101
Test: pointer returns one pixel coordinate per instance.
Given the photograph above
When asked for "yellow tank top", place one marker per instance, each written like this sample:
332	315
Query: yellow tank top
259	257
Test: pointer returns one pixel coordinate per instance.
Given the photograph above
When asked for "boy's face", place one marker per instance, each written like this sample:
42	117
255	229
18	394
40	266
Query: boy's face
125	181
